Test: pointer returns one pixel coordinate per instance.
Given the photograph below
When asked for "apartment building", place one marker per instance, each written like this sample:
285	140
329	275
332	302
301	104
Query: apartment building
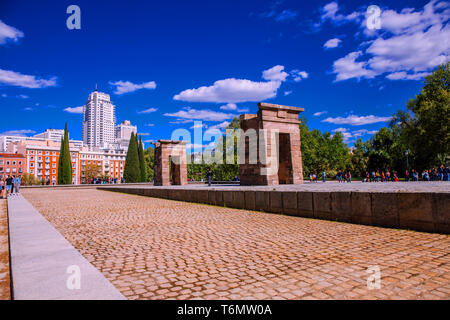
12	164
41	160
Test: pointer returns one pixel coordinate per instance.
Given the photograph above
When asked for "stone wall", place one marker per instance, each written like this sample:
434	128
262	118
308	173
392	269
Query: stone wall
416	211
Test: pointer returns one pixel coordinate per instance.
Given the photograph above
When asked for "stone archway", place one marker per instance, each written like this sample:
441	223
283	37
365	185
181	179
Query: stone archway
170	163
282	122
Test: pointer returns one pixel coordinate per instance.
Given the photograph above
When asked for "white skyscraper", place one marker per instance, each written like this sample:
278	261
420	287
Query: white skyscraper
99	120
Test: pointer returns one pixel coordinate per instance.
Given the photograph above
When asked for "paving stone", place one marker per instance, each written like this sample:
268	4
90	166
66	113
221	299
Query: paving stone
153	248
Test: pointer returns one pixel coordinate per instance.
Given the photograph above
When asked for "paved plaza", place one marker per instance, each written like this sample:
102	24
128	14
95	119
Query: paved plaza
329	186
4	254
153	248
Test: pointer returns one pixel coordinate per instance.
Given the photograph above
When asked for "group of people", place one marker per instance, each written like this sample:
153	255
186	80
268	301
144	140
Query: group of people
434	174
341	177
9	186
104	181
380	176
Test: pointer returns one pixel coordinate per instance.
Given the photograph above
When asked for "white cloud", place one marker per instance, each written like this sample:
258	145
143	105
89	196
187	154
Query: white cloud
286	15
317	114
127	86
219	126
347	67
4	95
78	110
407	47
229	106
231	91
358	133
188	115
299	75
17	132
348	135
22	96
199	125
275	73
405	76
150	125
143	134
355	120
286	93
13	78
9	33
330	12
332	43
149	110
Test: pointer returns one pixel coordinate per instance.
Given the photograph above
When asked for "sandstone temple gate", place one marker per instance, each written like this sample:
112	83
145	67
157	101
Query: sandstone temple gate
170	163
283	123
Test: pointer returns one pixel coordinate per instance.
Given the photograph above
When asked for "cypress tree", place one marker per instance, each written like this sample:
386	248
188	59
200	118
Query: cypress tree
66	161
132	168
142	161
60	166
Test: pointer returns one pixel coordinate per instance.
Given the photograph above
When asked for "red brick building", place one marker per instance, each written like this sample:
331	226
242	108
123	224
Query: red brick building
13	164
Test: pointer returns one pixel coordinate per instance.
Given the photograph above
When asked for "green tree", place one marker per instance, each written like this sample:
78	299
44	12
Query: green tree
149	157
142	165
65	170
60	162
132	171
426	130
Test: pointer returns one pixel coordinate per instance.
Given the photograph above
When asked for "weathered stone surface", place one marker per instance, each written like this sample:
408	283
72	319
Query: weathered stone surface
361	208
262	201
201	196
322	205
441	212
250	200
227	198
415	211
219	198
176	152
284	121
290	203
238	199
276	202
385	210
305	204
341	205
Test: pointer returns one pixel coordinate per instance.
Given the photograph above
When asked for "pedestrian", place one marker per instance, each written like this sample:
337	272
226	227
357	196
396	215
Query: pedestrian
349	176
17	182
339	176
9	184
2	187
209	176
324	176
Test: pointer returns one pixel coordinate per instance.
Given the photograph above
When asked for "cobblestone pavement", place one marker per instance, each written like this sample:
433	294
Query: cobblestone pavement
4	254
160	249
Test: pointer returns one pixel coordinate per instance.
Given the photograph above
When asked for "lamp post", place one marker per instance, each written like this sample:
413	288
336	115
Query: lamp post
406	154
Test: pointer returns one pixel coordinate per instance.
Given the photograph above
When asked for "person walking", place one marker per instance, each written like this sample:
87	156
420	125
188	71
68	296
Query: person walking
209	176
339	176
9	184
2	187
17	183
349	177
324	176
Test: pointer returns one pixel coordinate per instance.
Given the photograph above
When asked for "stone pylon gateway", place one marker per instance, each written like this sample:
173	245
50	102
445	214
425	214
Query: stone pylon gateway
275	165
170	160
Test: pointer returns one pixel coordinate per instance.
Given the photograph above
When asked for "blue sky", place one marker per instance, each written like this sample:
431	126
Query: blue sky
168	63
